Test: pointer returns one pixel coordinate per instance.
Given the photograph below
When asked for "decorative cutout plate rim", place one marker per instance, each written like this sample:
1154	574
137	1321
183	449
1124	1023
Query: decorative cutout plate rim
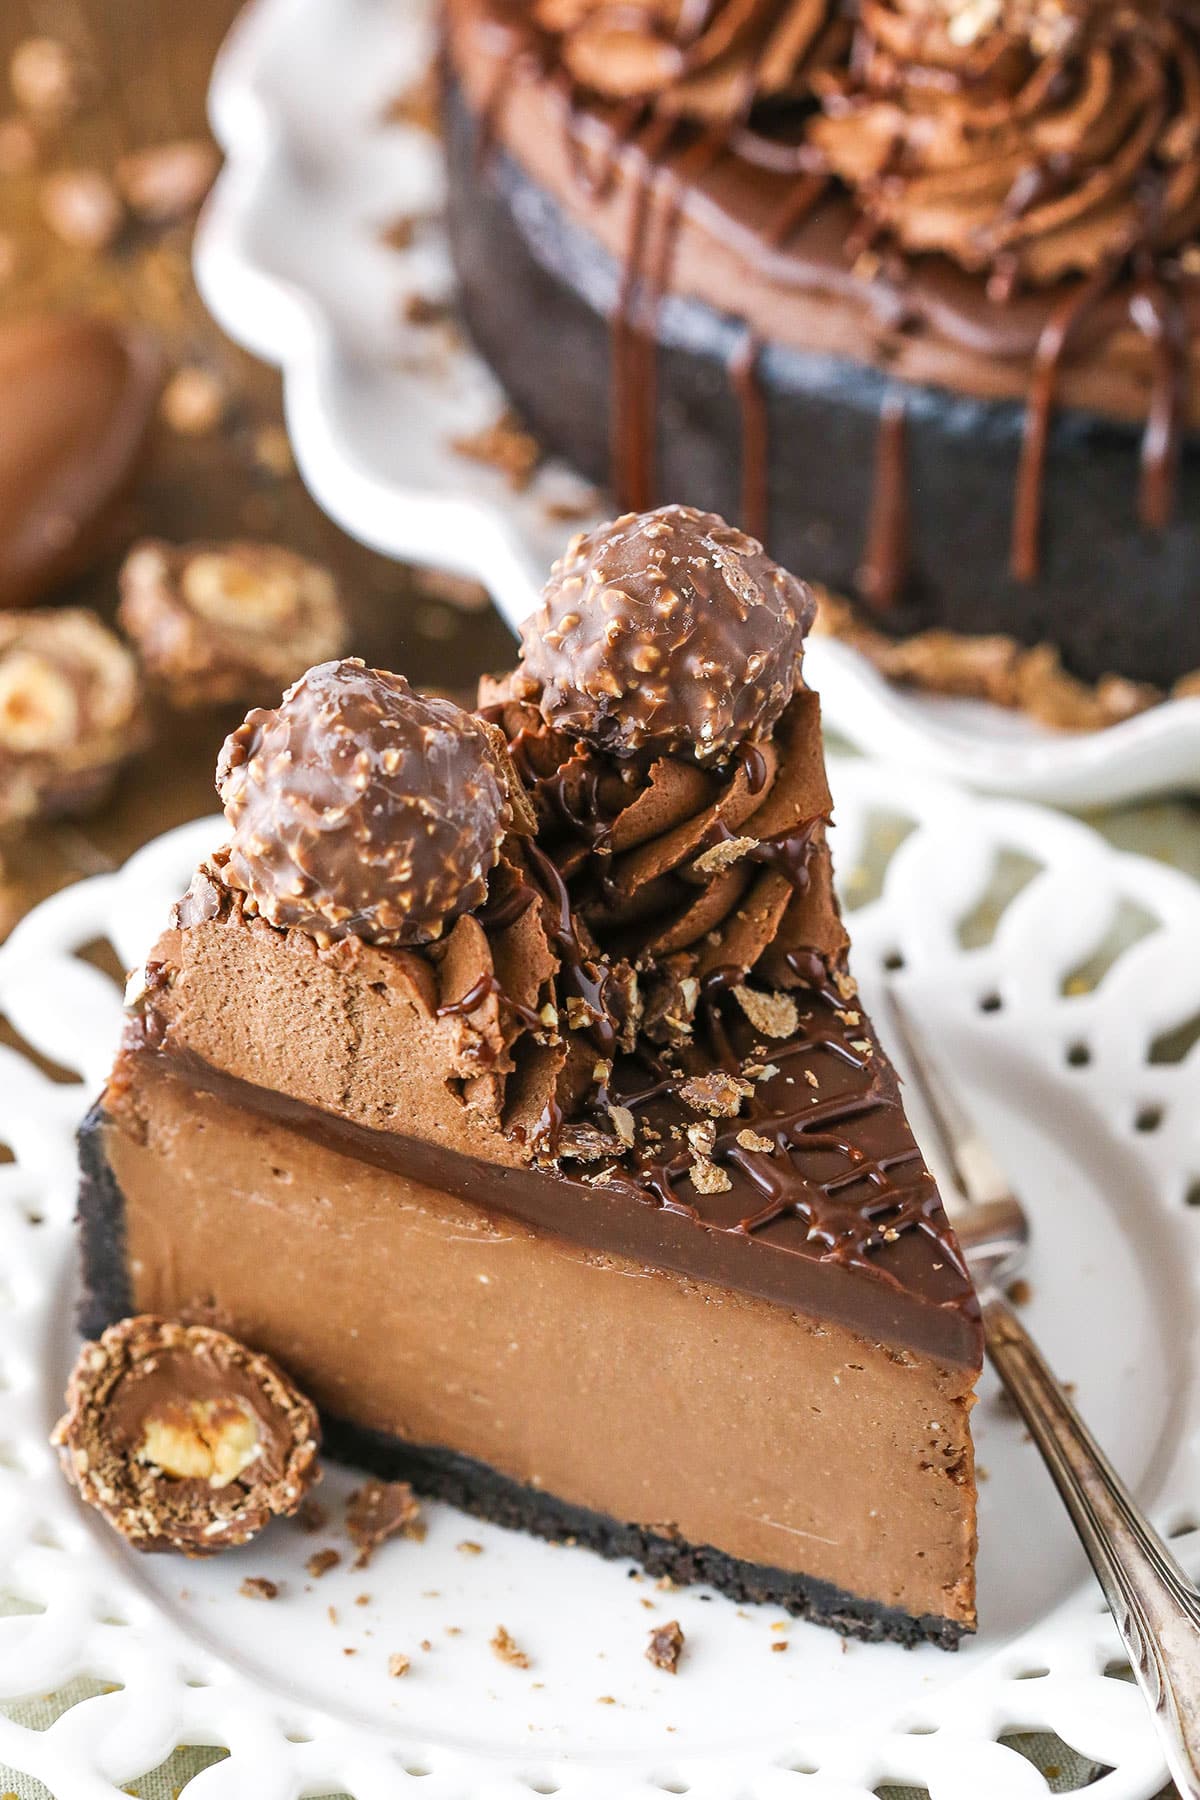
285	260
998	999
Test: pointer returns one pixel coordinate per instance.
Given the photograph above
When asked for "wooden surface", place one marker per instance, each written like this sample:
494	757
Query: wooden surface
151	62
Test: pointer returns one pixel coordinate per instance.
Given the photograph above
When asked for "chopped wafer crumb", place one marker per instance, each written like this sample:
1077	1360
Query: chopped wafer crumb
257	1587
775	1015
666	1647
398	1664
504	445
708	1178
717	1093
507	1649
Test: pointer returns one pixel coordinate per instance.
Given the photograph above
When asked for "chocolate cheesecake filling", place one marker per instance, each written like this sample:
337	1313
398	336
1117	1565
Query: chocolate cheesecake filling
533	1377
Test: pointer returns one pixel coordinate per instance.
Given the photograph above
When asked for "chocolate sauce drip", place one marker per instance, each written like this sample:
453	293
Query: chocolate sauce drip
755	438
884	571
1056	339
1157	311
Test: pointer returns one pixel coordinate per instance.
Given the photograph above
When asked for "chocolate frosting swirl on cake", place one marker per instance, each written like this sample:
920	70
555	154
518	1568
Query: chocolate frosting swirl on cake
667	631
360	808
1038	138
712	61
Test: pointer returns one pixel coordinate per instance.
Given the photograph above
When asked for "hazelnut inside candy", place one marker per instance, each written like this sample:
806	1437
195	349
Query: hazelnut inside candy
39	707
360	808
229	588
666	631
183	1438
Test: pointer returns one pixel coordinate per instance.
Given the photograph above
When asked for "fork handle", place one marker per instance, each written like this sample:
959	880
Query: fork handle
1155	1605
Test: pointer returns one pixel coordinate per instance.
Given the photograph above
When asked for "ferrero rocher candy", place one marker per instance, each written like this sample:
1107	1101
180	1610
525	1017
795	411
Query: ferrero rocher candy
667	631
219	622
183	1439
360	808
70	711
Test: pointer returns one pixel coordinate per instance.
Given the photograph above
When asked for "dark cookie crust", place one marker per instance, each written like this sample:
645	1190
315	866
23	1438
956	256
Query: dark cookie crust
476	1488
1112	596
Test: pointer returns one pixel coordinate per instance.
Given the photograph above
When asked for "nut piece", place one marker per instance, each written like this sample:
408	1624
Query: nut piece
666	631
359	808
219	622
70	712
182	1438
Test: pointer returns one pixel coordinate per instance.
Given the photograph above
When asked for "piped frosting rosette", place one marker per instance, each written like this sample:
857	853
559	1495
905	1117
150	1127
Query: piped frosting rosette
1037	138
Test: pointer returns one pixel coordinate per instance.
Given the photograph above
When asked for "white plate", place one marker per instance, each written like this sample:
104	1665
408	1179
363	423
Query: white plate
1102	1138
290	260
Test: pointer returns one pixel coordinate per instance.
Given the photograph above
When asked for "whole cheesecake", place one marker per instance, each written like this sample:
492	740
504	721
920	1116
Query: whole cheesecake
910	288
502	1078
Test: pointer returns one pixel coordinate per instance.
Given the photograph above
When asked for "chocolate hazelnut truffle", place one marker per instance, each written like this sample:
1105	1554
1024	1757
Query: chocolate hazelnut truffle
359	808
667	631
220	622
182	1438
70	711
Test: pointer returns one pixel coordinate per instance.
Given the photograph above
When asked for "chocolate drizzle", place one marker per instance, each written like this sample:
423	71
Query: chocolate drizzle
883	572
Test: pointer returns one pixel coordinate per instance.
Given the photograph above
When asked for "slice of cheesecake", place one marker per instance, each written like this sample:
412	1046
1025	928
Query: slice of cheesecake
502	1078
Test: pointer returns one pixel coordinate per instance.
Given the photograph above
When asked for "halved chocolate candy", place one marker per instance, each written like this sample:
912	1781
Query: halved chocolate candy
183	1439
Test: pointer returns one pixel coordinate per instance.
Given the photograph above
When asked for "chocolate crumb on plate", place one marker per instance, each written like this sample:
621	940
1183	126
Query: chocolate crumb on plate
183	1439
666	1647
377	1511
504	445
507	1649
321	1561
217	622
257	1587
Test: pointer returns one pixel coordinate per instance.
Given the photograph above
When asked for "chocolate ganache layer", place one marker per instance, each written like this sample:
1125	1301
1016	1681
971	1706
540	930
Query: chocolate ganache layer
912	295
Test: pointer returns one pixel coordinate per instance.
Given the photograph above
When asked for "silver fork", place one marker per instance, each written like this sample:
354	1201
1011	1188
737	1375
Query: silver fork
1155	1604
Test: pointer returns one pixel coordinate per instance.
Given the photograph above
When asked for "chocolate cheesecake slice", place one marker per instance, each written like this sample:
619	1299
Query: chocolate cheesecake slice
502	1079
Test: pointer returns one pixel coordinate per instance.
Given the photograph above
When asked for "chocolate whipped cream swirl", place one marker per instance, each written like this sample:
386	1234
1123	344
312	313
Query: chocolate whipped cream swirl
1033	138
711	61
683	874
